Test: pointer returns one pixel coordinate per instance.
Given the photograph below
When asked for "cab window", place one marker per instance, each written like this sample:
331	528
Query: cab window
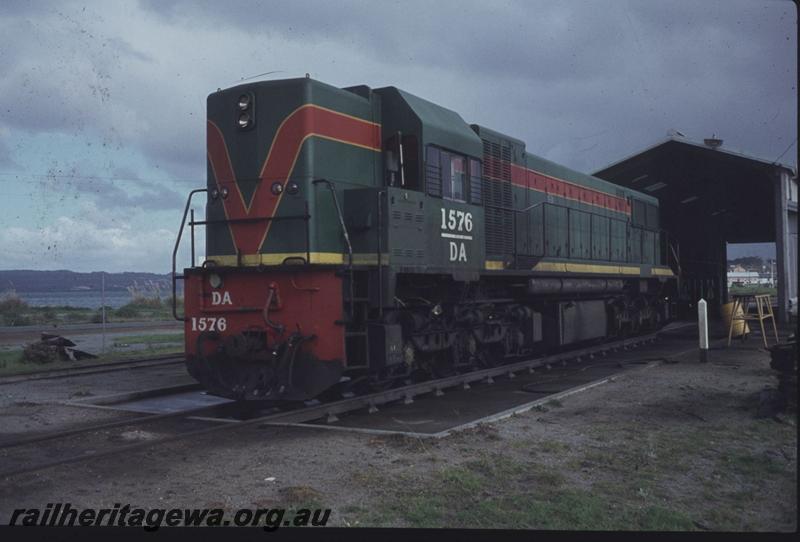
451	176
453	187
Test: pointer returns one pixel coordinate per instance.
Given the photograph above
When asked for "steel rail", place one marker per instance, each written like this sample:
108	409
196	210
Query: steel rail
101	426
111	366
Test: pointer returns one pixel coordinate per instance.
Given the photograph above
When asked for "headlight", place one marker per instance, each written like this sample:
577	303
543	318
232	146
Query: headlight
215	280
244	120
244	101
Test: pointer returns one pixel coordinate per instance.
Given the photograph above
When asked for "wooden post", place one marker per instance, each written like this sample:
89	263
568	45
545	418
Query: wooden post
702	324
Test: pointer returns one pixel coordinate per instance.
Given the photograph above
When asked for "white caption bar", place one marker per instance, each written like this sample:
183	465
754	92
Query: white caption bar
456	236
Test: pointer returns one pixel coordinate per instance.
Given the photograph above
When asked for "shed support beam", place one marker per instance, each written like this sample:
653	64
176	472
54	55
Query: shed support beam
785	240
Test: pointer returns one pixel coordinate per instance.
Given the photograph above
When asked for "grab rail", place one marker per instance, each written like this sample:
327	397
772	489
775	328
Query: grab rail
332	188
175	253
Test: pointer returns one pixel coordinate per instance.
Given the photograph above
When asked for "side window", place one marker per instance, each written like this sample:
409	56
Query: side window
458	174
447	176
475	182
433	172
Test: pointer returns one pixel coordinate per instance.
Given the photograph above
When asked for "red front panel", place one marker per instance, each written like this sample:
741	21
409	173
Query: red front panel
308	301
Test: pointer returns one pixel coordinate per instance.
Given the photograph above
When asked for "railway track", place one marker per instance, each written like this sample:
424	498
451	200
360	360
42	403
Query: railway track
309	412
96	368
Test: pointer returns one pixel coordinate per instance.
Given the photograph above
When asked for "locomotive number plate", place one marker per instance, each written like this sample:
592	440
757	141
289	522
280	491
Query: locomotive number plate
209	324
457	226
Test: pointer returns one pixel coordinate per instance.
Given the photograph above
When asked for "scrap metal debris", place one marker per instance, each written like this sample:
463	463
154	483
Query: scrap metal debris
52	348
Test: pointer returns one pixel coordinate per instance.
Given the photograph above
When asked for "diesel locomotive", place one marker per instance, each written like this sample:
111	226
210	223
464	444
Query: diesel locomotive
361	237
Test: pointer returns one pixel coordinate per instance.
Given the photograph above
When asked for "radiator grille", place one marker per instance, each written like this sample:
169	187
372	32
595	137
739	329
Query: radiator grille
497	193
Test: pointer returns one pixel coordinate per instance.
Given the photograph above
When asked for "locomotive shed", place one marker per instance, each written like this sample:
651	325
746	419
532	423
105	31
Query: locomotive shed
710	196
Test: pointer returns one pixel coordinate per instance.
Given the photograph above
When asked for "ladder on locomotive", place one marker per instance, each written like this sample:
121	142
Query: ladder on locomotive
355	285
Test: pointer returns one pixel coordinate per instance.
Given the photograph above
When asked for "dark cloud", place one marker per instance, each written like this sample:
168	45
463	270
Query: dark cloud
26	8
111	189
581	85
553	73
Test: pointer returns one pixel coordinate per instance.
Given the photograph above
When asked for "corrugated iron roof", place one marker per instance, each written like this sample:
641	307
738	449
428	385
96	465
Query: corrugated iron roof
699	145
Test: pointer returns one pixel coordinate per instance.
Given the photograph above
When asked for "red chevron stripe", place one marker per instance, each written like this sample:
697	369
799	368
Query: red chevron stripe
533	180
304	122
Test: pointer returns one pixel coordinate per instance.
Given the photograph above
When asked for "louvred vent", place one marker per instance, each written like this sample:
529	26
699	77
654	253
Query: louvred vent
497	193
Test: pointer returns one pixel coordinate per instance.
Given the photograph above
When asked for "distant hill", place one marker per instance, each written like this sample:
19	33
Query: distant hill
25	280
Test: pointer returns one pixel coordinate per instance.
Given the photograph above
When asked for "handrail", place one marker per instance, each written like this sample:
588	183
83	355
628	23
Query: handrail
249	219
380	195
676	256
332	188
175	254
305	216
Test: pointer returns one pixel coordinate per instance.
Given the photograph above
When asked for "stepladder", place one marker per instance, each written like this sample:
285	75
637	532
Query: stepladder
763	312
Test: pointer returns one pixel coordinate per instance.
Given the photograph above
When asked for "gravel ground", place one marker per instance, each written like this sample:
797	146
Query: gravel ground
674	447
34	406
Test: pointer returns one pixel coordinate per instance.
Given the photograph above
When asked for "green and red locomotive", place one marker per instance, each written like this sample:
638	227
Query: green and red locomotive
369	236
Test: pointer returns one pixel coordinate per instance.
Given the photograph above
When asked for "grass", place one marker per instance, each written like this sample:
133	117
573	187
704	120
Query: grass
552	446
657	468
14	312
10	357
496	492
11	362
754	289
154	338
689	478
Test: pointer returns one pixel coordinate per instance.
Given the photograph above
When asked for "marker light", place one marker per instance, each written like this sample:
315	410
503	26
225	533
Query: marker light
224	192
215	280
277	188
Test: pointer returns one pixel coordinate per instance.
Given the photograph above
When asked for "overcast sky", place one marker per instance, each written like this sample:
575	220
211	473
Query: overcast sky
102	104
